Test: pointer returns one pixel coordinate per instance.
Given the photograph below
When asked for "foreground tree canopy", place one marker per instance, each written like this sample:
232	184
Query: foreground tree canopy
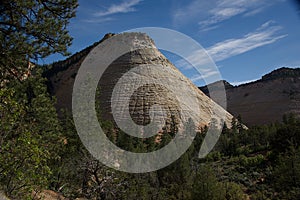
30	132
30	30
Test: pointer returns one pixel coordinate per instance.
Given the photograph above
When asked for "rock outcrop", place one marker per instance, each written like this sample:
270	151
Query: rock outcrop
266	100
172	91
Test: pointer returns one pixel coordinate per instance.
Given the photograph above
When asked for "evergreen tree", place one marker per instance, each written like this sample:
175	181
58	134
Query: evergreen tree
287	171
30	136
206	185
30	30
233	191
287	135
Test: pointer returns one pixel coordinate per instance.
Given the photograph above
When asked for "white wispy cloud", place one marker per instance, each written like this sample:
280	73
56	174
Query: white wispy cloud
209	14
194	10
226	9
206	75
124	7
98	20
255	11
266	34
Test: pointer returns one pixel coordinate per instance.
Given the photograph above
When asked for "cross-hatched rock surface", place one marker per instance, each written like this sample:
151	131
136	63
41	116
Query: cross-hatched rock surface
157	84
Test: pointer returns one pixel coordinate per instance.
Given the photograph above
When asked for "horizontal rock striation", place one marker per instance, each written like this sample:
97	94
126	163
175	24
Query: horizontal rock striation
159	88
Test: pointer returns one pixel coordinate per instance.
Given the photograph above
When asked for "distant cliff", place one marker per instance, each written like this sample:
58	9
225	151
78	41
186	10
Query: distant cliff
283	72
265	100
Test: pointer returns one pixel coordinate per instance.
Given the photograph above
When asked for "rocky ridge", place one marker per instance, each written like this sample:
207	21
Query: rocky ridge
265	100
149	64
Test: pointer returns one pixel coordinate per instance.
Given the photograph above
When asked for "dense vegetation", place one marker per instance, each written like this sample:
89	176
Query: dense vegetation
31	30
41	151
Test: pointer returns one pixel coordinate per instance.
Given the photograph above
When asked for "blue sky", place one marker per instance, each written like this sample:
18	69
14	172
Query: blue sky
246	38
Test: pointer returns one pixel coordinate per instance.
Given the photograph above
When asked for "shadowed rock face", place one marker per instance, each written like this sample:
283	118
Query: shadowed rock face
266	100
170	92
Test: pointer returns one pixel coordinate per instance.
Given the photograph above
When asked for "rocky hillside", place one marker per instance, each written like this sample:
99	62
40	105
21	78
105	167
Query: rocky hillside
61	75
265	100
149	64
